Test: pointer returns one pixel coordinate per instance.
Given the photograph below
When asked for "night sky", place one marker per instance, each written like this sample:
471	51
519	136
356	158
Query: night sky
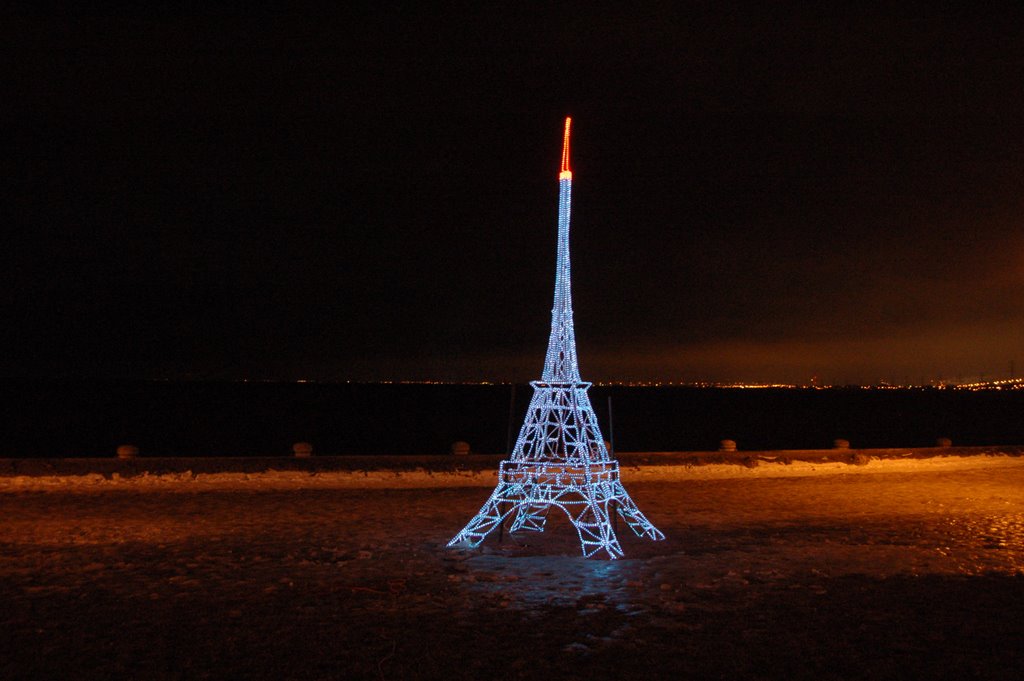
760	193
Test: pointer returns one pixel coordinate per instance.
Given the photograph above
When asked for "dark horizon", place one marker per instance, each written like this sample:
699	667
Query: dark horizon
760	194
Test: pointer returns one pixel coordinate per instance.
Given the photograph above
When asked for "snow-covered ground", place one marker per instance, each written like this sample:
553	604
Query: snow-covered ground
896	569
414	478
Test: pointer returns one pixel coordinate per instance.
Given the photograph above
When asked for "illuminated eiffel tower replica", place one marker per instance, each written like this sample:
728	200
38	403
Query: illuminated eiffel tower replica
560	458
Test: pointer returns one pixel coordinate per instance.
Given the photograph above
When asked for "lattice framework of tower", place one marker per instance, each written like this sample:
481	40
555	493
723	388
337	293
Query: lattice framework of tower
560	458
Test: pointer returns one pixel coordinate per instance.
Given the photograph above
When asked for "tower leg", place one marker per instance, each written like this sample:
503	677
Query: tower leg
490	516
595	529
530	516
636	520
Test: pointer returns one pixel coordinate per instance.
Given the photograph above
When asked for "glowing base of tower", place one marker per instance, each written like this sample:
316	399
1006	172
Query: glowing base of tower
560	460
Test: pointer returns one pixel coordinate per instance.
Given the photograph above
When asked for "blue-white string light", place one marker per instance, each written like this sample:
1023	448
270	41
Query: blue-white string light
560	458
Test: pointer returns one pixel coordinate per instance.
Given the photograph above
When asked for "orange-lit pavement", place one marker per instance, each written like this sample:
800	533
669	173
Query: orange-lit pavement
915	574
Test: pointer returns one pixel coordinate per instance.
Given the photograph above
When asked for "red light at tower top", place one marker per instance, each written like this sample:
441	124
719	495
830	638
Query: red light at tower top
565	174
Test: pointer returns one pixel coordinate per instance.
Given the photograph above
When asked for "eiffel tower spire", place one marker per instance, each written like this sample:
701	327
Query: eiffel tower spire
560	458
560	364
